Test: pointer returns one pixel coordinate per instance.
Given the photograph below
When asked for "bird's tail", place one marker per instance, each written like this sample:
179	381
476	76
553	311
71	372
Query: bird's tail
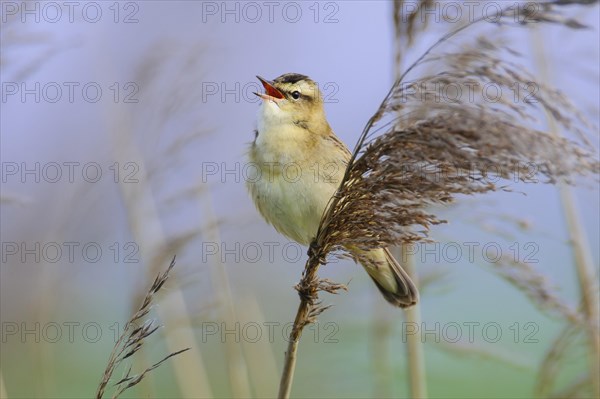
393	282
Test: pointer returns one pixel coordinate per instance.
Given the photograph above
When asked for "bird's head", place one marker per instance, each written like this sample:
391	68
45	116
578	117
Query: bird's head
293	98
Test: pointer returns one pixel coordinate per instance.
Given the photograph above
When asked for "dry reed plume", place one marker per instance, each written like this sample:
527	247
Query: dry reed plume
430	151
134	335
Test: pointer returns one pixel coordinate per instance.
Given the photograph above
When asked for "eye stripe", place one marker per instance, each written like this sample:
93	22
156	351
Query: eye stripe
302	96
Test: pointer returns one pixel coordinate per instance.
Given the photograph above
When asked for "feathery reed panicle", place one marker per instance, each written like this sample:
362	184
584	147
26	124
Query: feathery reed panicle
406	18
407	24
132	339
537	288
432	151
562	346
462	147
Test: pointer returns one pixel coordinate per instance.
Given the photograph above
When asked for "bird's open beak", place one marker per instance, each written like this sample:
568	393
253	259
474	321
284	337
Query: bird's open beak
272	93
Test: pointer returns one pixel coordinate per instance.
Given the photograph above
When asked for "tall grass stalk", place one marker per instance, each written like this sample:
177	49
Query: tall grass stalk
583	261
414	345
236	362
259	352
404	39
147	231
310	307
3	394
381	331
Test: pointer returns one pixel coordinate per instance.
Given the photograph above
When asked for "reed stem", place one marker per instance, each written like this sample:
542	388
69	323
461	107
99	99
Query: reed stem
584	265
414	346
307	289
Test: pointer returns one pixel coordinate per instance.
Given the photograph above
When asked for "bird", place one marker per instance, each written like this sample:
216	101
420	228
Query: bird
300	163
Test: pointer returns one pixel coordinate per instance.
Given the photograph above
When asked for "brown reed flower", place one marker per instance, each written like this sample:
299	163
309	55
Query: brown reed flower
131	341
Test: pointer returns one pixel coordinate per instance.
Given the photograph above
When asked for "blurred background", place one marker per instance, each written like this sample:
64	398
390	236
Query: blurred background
124	132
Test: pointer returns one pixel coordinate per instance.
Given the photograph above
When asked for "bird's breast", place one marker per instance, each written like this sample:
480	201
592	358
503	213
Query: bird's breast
291	183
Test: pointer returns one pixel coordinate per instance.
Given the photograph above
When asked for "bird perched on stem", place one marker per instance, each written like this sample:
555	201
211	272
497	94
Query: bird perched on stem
300	163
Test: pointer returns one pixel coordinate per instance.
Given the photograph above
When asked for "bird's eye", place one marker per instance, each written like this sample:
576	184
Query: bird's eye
296	95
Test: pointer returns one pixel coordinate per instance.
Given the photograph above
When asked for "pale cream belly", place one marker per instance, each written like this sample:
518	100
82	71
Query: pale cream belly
293	206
